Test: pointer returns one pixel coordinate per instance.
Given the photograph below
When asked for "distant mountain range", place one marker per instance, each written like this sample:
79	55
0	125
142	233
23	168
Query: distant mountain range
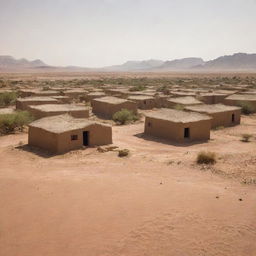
238	61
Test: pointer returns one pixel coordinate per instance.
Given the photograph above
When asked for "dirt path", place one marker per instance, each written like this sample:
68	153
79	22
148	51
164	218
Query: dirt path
155	202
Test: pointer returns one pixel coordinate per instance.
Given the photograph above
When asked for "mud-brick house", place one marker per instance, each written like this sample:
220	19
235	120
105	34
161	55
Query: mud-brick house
241	100
108	106
40	111
60	134
222	115
182	101
143	102
178	126
212	97
24	103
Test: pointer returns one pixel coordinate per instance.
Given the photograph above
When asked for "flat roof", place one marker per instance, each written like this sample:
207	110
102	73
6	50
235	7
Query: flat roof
177	116
62	123
58	107
242	97
140	97
111	100
4	111
213	108
96	93
184	100
28	99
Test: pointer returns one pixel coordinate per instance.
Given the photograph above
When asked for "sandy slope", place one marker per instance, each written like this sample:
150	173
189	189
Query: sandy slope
156	202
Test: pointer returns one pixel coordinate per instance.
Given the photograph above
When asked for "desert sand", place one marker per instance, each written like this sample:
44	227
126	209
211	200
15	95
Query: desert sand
157	201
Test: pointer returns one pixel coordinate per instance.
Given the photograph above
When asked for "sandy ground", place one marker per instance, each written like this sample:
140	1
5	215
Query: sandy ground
156	202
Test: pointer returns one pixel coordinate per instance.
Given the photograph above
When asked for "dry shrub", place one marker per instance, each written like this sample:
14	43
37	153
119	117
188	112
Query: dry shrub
247	108
246	137
206	158
123	152
7	98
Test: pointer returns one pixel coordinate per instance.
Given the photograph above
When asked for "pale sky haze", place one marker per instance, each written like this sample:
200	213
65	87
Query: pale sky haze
95	33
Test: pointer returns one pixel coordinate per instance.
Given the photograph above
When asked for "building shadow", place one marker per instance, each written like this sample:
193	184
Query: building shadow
168	142
37	151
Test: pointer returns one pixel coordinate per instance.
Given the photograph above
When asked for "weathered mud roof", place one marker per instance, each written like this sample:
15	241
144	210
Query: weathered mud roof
60	97
184	100
212	94
140	97
178	116
62	123
28	99
4	111
111	100
46	92
96	93
245	97
58	107
214	108
183	93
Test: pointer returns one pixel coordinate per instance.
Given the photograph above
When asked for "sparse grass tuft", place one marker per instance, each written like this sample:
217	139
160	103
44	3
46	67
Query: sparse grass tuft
246	137
204	157
125	116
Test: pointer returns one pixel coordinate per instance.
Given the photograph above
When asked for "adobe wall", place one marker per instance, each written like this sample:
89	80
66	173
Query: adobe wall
38	137
108	110
37	114
24	105
98	135
225	118
212	99
199	131
145	104
239	102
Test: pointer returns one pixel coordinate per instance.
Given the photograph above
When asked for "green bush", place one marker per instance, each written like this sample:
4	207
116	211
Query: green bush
124	116
137	88
11	122
7	98
247	108
206	158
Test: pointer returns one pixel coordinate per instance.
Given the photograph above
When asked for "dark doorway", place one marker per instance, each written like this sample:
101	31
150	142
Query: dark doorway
86	138
233	118
186	133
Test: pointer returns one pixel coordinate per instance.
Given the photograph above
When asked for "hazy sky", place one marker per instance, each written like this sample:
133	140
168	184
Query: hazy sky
105	32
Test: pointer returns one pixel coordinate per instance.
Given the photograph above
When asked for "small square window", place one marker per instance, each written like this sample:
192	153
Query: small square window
74	137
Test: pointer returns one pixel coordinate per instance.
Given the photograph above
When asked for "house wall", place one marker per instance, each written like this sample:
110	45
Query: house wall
225	118
61	143
38	137
108	110
98	135
24	105
212	99
145	104
37	114
239	102
199	131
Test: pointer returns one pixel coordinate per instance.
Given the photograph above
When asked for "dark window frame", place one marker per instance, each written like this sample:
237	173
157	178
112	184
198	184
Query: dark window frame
74	137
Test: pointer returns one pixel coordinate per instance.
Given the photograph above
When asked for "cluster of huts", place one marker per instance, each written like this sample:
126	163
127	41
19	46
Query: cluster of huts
180	115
